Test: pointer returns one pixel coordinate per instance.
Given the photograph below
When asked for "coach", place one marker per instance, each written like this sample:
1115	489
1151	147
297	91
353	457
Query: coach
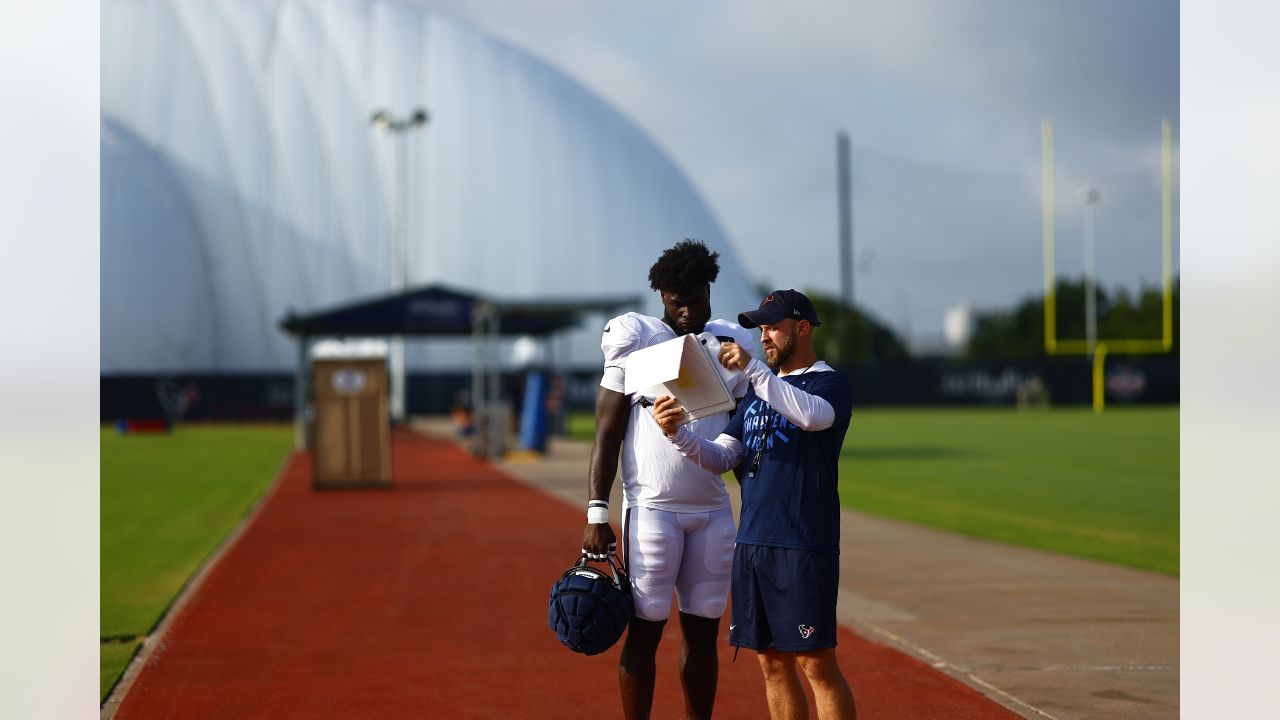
786	434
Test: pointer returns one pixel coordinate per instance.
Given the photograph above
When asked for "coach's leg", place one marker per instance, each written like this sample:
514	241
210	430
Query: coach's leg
830	689
638	668
782	685
699	665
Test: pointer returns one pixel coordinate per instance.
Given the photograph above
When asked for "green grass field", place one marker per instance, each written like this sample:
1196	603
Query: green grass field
1098	486
1066	480
167	501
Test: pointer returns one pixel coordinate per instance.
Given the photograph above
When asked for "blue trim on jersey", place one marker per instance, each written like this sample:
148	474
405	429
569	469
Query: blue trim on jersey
792	500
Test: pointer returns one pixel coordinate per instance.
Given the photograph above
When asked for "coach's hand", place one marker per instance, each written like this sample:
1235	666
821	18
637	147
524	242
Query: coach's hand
733	356
668	412
598	541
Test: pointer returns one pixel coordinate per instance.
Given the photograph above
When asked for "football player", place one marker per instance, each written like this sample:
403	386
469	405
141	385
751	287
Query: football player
678	528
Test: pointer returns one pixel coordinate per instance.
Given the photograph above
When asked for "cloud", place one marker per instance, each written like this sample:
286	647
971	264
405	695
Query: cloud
943	101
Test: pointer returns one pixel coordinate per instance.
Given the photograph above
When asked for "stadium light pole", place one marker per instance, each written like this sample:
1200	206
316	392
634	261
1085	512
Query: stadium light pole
1090	197
844	191
398	128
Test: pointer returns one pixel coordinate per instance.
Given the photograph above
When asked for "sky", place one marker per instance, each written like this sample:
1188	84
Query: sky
943	103
49	431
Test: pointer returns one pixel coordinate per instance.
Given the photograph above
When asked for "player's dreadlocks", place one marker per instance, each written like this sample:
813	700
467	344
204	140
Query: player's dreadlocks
687	267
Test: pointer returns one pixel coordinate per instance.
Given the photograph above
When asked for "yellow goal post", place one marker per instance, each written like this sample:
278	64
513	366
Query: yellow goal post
1099	348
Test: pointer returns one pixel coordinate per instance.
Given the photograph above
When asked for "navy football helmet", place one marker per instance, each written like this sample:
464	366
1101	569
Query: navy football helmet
589	610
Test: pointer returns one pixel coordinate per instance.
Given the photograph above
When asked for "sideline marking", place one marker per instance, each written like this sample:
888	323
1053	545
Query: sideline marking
154	641
940	663
1106	667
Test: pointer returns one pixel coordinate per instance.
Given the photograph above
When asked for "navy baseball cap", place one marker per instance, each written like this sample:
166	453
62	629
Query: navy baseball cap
780	305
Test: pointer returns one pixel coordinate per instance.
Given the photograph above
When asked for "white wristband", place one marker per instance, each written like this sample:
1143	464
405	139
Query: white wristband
597	512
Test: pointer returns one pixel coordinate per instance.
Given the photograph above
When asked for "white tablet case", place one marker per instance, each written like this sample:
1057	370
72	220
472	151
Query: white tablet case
686	368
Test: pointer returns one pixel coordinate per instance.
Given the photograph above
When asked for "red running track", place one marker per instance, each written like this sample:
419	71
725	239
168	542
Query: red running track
429	599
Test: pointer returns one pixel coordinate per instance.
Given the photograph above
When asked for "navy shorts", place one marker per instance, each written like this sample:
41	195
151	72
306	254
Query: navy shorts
783	599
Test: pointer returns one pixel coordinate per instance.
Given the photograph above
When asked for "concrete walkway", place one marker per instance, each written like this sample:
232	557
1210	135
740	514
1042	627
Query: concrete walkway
1045	635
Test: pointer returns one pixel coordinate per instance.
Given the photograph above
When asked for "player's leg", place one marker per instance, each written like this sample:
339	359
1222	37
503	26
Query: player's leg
830	689
782	686
702	588
653	543
637	668
699	666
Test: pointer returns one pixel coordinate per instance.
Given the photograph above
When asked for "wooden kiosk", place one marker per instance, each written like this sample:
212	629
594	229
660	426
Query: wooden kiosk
352	432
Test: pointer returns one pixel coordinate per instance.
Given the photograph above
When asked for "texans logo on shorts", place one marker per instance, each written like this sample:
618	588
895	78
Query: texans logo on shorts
806	631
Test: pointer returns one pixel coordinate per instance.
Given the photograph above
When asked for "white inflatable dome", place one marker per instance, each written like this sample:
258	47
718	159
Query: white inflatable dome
241	177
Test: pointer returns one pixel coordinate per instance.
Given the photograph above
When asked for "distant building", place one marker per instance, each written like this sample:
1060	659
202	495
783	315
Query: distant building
957	326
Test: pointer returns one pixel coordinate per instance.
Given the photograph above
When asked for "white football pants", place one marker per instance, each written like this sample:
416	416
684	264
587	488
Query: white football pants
691	553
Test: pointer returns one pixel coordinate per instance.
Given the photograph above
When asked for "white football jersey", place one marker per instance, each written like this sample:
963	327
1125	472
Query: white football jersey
654	474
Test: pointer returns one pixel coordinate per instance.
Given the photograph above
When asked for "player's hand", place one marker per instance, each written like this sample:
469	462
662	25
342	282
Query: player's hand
668	412
733	356
598	541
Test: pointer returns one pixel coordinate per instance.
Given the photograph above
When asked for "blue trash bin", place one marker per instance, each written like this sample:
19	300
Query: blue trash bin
533	415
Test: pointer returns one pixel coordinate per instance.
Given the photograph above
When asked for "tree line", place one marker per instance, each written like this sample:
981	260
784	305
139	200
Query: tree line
1018	333
851	335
